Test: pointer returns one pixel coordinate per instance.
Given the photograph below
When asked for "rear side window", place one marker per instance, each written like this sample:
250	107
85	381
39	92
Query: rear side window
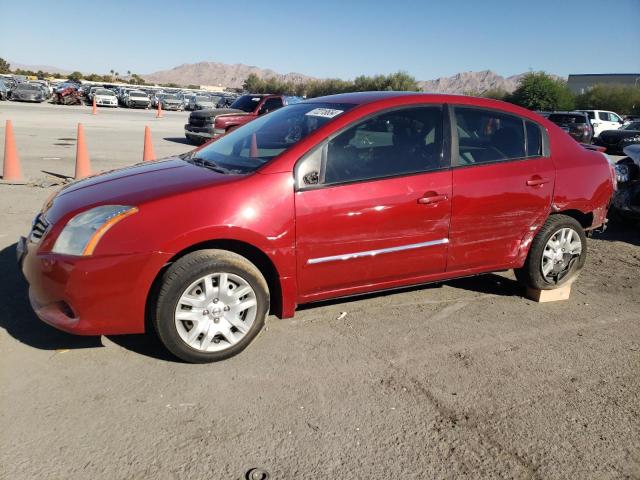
603	116
534	140
486	136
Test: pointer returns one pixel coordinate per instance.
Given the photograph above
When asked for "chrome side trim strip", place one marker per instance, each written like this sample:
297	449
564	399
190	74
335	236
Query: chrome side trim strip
372	253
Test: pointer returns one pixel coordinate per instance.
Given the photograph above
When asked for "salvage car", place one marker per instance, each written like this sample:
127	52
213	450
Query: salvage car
27	92
207	124
137	99
200	102
170	101
626	201
105	98
616	140
331	197
576	124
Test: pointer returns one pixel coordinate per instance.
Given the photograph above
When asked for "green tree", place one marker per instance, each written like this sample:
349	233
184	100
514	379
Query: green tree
495	93
4	66
75	76
620	99
193	87
539	91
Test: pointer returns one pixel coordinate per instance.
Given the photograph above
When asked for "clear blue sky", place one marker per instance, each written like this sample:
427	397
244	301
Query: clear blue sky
327	38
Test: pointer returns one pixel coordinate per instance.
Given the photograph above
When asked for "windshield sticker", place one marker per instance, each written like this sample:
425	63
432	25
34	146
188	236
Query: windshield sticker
324	112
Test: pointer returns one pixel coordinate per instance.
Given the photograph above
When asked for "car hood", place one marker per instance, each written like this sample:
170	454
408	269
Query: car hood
134	185
619	133
214	112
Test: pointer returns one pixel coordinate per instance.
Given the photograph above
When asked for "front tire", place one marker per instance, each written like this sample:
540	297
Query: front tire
211	305
556	256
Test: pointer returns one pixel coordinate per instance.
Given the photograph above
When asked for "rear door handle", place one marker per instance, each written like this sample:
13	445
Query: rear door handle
430	199
537	181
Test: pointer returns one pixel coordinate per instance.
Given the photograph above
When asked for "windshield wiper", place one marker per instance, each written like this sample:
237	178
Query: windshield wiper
210	164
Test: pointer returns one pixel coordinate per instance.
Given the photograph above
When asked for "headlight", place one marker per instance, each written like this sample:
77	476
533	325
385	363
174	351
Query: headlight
622	173
81	234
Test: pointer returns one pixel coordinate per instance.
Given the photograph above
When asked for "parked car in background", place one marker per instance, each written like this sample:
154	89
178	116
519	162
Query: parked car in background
626	201
27	92
105	97
616	140
576	124
200	102
630	118
137	99
207	124
170	101
4	91
331	197
602	120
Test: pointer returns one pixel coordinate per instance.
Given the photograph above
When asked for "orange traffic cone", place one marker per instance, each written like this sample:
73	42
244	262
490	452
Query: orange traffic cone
148	154
83	164
95	107
253	152
159	113
11	171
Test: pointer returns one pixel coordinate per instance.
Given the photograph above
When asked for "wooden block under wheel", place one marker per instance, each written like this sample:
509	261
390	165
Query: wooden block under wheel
543	296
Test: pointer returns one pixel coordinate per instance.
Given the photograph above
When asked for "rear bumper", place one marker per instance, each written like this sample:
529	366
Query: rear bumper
90	295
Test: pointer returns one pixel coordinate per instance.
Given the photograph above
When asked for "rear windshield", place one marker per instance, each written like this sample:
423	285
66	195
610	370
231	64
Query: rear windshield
567	118
251	146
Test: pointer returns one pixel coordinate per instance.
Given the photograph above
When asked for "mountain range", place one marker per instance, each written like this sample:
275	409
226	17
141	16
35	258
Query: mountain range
234	75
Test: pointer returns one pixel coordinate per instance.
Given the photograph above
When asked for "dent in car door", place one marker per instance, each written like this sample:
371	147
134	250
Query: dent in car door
496	202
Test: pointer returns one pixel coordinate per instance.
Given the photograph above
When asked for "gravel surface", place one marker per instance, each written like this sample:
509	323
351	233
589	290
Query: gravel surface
463	379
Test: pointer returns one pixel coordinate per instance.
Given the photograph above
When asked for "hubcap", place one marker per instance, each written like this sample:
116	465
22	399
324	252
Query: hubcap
215	312
561	251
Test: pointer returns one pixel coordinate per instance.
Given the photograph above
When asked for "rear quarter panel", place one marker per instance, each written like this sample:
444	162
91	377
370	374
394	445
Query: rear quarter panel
583	177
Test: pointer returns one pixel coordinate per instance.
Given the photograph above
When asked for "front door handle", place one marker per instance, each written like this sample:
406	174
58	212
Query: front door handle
536	181
431	198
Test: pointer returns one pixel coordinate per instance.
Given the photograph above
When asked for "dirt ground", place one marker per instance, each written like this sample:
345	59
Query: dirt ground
463	379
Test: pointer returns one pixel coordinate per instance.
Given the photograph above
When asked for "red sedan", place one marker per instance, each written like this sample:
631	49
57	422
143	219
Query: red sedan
331	197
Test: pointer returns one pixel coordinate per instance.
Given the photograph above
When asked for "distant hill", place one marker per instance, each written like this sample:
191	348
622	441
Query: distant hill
215	73
35	68
226	75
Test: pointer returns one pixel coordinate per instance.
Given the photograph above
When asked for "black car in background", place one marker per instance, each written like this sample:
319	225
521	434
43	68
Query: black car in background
615	140
576	124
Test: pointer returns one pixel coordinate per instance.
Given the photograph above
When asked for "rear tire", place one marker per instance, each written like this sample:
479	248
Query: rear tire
556	256
211	305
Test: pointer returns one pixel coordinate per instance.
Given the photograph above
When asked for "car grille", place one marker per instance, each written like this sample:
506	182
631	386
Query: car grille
200	121
39	228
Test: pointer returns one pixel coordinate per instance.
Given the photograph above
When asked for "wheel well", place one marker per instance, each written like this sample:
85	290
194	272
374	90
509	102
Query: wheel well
251	253
584	219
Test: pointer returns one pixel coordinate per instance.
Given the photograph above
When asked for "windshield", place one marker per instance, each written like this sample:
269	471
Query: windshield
202	98
28	87
246	103
137	94
170	97
104	91
251	146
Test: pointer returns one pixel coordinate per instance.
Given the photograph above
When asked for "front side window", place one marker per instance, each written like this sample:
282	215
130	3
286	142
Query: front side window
486	136
393	143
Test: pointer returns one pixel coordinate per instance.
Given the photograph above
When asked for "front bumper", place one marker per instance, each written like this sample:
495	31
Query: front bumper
89	295
204	133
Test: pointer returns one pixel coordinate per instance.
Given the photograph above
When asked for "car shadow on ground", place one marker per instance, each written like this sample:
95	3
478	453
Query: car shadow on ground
490	284
17	317
621	231
180	140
